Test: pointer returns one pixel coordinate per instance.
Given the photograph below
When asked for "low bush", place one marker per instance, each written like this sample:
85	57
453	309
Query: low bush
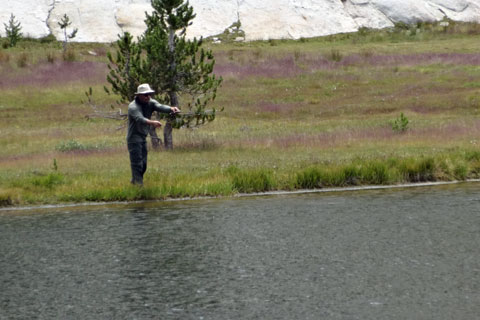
70	145
422	170
73	145
375	173
48	181
256	180
400	124
5	200
310	178
22	60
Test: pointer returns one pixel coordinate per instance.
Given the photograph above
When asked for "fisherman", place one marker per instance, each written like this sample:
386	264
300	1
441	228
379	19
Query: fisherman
139	113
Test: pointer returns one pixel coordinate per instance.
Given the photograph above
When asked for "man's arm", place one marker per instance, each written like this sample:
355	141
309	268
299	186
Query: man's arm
154	123
164	108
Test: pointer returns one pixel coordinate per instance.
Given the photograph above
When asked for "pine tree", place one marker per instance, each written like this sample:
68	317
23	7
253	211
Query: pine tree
124	68
123	75
64	23
171	64
176	66
13	31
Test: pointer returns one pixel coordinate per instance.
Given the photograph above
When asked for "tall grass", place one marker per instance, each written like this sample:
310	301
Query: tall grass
314	113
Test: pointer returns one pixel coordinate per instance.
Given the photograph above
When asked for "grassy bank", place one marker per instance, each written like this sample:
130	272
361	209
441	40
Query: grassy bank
374	107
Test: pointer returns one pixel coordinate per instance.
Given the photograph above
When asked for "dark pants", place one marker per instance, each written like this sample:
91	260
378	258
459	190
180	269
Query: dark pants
138	161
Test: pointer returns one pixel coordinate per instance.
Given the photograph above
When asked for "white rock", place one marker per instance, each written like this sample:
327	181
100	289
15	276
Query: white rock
94	19
103	20
32	15
135	26
212	17
293	19
366	15
459	10
408	11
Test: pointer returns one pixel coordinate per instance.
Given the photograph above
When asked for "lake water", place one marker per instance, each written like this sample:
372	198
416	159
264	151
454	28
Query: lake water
381	254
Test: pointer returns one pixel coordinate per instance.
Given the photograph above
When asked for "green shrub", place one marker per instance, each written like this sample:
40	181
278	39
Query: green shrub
400	124
472	155
460	171
259	180
418	171
475	169
335	55
12	31
48	181
73	145
375	173
70	145
310	178
48	39
5	200
352	175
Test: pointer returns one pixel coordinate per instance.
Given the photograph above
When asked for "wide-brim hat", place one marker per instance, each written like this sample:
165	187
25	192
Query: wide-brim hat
144	89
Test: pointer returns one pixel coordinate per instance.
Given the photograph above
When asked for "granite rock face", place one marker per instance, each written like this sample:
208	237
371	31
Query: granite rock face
103	20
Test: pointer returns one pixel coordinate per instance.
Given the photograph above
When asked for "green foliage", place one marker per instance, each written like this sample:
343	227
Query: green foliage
124	74
422	170
371	173
73	145
174	65
171	64
472	155
70	145
64	24
13	31
48	181
400	124
5	200
48	39
335	55
256	180
375	173
310	178
232	33
460	171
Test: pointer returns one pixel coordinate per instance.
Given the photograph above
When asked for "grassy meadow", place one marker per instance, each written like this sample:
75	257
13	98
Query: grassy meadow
369	108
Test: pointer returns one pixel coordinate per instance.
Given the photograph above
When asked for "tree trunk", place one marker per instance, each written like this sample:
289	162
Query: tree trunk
167	131
156	141
167	135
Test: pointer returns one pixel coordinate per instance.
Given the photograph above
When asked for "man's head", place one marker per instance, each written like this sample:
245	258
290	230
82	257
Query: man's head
144	92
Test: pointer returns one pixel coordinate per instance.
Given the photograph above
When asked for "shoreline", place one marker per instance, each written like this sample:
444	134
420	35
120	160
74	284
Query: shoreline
241	195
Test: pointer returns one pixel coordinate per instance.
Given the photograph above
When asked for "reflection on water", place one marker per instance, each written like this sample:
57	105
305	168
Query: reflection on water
403	254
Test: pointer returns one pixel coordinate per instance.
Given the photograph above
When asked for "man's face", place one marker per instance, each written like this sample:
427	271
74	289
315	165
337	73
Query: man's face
144	98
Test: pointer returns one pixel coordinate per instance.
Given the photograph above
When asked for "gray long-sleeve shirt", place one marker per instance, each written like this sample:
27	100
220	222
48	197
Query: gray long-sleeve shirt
137	118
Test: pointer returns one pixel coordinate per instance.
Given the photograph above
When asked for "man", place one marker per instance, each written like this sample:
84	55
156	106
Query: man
139	113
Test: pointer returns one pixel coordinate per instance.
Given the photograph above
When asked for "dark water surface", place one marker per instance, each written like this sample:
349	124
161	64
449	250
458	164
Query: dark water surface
391	254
